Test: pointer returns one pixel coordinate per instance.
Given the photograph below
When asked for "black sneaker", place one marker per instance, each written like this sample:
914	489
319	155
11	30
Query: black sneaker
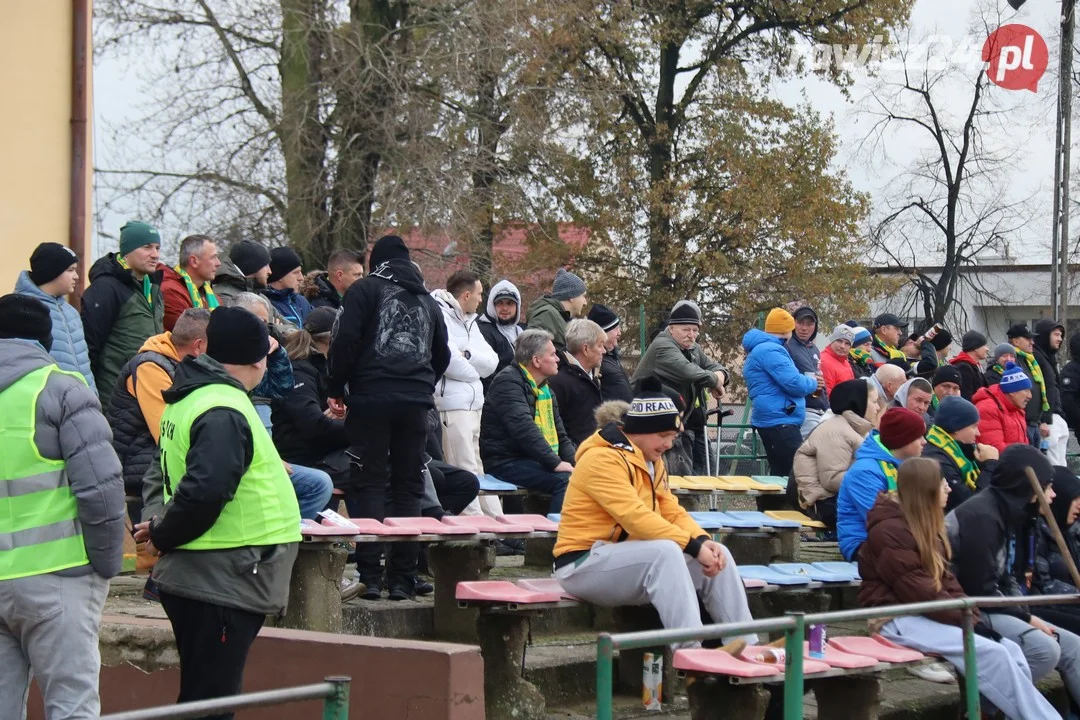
423	587
504	548
402	592
373	591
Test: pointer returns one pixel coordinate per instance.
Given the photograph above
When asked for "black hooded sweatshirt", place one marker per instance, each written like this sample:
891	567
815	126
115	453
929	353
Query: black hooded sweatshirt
1052	575
984	529
1047	358
1070	385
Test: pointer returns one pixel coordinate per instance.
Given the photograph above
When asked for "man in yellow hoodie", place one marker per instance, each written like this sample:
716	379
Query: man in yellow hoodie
623	537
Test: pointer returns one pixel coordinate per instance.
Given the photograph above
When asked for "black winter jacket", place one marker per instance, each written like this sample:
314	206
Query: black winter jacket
951	472
972	378
1047	358
508	431
132	441
320	293
302	433
578	396
498	342
614	382
1070	385
389	343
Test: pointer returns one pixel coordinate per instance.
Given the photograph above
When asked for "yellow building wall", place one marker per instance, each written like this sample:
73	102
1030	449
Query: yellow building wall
35	141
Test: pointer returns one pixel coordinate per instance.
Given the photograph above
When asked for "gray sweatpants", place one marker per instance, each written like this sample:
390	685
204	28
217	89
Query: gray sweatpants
50	623
1043	652
1004	678
660	573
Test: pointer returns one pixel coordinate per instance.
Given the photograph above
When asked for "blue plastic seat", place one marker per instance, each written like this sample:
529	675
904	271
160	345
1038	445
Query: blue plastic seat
742	521
490	483
554	517
759	519
710	520
815	574
773	577
839	566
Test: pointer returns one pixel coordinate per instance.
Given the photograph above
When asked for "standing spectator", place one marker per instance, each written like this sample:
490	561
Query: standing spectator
1002	355
911	349
614	382
1002	409
675	357
552	312
522	438
836	365
777	390
933	354
1070	385
576	386
326	289
862	360
807	359
501	324
188	284
54	271
946	383
1037	414
67	539
973	353
888	329
1049	335
953	442
229	527
246	270
123	306
283	283
390	348
874	471
888	379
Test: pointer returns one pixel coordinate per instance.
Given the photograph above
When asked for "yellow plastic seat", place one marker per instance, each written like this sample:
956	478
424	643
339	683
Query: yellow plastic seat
796	516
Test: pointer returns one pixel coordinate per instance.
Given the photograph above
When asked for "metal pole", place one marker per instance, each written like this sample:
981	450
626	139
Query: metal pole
336	706
971	676
641	327
605	654
793	670
1062	164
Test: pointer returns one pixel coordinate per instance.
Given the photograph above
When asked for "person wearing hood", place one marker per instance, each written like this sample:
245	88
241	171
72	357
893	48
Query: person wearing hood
1037	413
804	352
188	284
1049	334
1070	385
614	382
900	436
1001	409
678	360
969	361
905	559
823	459
390	348
53	274
286	274
553	311
326	288
62	479
1002	355
984	533
226	521
916	395
888	329
623	537
836	367
862	360
1050	572
123	305
246	269
500	324
952	441
777	390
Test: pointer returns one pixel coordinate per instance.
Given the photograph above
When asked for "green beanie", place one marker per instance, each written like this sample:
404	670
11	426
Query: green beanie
135	235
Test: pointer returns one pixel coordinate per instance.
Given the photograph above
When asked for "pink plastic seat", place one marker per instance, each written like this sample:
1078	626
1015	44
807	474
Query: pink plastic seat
717	662
314	529
839	659
428	526
810	665
545	585
501	591
876	647
538	523
483	523
753	583
369	526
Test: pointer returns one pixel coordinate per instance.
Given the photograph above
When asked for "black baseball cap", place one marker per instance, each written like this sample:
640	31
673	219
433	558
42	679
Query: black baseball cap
1019	330
889	319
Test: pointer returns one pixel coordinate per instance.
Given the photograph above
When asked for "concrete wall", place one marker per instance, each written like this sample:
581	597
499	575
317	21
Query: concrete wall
399	679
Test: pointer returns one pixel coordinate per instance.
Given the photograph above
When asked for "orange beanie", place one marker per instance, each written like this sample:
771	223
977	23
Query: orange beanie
779	322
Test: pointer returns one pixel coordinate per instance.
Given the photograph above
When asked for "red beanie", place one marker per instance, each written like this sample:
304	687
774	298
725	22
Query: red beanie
900	426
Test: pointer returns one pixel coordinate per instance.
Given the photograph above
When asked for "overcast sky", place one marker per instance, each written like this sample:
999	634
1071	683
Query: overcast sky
1029	129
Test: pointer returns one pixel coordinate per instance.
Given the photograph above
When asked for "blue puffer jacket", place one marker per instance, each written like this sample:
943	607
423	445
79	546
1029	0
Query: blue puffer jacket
69	342
777	389
292	306
862	484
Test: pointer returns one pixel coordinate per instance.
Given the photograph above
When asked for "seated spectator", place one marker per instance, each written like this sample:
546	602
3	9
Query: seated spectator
614	382
986	532
862	360
448	489
577	384
915	395
565	302
888	379
500	324
282	285
905	559
777	390
836	365
656	553
53	274
952	440
874	472
188	284
326	289
1070	385
969	362
888	329
1003	354
822	460
1001	409
946	383
807	358
1049	572
522	438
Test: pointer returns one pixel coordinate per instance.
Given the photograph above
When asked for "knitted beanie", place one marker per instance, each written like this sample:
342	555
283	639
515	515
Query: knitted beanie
972	340
651	411
27	318
955	413
947	374
1002	349
1014	379
236	336
862	335
135	235
567	285
900	426
685	312
604	317
249	257
779	321
49	260
283	260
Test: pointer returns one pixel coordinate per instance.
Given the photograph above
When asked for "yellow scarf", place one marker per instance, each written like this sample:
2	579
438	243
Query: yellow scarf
545	411
145	281
1036	375
193	292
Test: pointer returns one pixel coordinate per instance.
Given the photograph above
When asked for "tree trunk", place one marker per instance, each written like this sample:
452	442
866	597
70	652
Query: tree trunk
489	131
663	277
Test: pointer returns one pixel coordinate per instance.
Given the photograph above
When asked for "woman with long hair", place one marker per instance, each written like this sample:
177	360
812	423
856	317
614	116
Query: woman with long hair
905	559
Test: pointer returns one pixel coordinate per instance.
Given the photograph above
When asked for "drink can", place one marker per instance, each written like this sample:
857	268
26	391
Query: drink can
817	641
652	680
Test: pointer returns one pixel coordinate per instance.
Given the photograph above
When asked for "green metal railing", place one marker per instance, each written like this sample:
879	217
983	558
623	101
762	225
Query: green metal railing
793	625
334	693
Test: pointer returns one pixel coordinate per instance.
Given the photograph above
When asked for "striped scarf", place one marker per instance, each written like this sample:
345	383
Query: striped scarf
1036	375
945	442
193	292
145	282
888	350
887	467
862	356
545	411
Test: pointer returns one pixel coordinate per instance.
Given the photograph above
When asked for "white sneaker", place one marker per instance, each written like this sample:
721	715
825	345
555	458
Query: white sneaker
935	673
350	589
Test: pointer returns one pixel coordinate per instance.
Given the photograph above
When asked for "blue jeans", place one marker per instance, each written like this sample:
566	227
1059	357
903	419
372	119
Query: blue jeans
531	475
313	490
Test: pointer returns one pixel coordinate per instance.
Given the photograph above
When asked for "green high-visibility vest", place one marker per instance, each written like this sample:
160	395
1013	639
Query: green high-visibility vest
264	510
39	519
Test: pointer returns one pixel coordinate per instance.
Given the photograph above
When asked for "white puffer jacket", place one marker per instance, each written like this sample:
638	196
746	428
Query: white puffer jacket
460	387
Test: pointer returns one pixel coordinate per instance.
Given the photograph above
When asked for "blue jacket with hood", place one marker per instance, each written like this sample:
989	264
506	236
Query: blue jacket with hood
777	389
69	348
863	482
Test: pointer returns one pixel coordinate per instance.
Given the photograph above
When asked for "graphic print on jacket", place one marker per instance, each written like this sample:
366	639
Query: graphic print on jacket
403	332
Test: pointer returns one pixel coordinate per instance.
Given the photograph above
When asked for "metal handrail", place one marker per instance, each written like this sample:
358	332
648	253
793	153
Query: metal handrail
334	691
793	625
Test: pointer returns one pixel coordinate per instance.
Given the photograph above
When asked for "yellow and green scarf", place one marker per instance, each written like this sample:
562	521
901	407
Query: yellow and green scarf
945	442
887	467
889	350
146	284
861	355
544	417
1036	375
193	292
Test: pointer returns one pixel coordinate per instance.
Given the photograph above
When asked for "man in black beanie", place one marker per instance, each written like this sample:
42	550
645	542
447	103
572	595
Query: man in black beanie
230	527
246	269
284	284
969	361
389	348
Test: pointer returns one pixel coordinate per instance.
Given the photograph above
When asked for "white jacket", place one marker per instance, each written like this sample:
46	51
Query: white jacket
460	387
